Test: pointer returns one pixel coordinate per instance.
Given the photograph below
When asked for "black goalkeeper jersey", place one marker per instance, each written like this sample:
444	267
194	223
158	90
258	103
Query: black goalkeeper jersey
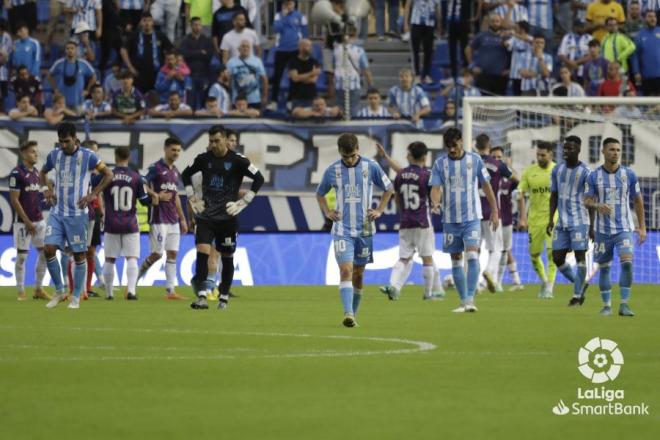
221	180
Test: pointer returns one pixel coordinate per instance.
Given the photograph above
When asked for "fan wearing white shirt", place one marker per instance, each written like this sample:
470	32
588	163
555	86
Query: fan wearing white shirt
375	109
173	109
573	89
232	40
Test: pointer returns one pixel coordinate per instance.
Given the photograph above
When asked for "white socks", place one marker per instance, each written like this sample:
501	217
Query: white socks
437	282
40	271
170	275
428	273
502	268
513	270
19	270
400	273
109	278
493	262
132	271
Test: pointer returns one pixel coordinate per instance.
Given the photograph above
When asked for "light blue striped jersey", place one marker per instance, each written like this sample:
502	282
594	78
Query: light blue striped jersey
574	46
569	184
218	91
354	187
131	4
357	62
381	112
518	47
539	83
407	102
72	175
460	181
540	13
615	189
519	13
17	2
86	12
650	5
423	12
6	47
103	107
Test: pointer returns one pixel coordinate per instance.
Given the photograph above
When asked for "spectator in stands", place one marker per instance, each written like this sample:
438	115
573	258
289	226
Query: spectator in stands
86	50
143	53
58	112
96	107
375	107
201	9
220	93
112	31
646	60
392	16
598	12
128	104
27	51
352	70
421	19
232	39
248	77
519	44
448	116
223	21
408	100
243	109
536	70
489	58
541	20
6	46
572	88
617	46
166	15
319	109
88	12
459	14
462	88
304	71
595	70
130	13
290	27
634	20
26	84
211	109
574	49
614	84
112	81
72	77
22	11
512	12
197	50
24	109
174	76
333	35
174	108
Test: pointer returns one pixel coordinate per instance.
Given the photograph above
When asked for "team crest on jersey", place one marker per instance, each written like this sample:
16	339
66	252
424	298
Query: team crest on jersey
76	238
227	166
624	177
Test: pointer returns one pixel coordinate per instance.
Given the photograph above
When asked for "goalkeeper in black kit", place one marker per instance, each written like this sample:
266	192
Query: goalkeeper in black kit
216	213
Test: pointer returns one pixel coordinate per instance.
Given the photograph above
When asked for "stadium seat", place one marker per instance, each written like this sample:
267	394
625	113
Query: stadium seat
441	55
438	105
10	100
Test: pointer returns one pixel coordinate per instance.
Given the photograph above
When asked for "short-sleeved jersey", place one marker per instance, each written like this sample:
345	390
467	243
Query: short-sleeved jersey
535	181
120	199
459	179
354	187
412	188
72	177
569	185
27	183
505	200
497	171
614	189
221	180
163	178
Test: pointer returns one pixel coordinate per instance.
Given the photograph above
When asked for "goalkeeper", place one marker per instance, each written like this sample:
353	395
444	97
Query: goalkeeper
222	174
535	182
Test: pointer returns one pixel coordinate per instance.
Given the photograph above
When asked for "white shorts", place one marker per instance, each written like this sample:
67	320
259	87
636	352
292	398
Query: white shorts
90	231
22	239
122	245
164	237
492	239
507	237
420	239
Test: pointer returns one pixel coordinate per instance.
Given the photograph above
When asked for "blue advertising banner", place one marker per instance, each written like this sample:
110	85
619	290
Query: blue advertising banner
308	259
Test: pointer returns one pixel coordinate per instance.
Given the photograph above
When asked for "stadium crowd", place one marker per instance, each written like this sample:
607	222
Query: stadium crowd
134	59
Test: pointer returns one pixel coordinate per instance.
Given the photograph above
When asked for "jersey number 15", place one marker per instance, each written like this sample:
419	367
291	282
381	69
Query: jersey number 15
410	196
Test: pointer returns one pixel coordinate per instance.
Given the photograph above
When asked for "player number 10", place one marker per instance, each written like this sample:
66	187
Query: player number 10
122	198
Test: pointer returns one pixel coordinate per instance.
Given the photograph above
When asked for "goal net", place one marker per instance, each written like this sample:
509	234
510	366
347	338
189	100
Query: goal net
518	124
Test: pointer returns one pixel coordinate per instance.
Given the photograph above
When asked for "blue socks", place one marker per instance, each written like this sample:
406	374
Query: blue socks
64	265
210	283
357	297
458	274
55	271
98	268
346	293
579	279
473	270
79	277
567	271
625	280
605	284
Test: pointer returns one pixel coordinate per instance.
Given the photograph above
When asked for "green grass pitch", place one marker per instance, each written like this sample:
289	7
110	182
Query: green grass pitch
279	365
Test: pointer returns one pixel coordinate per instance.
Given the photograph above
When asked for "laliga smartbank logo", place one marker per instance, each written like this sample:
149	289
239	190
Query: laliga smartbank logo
600	361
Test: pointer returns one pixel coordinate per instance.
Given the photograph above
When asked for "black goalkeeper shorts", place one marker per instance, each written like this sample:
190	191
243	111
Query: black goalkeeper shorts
222	232
96	232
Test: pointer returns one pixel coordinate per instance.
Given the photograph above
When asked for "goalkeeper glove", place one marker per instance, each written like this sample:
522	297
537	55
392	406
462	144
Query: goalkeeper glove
234	208
196	204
